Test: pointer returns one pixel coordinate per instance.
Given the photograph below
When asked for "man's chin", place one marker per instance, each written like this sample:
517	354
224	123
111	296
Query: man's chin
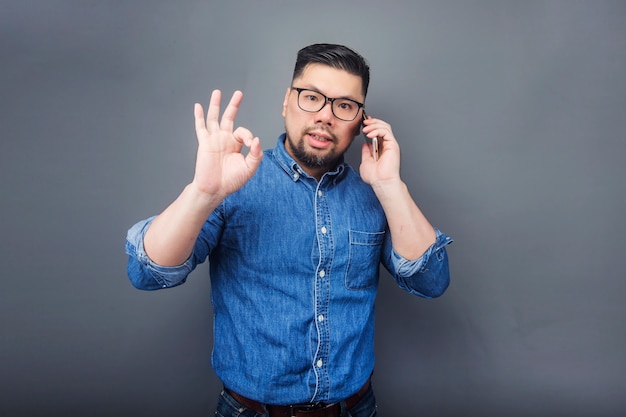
317	158
311	157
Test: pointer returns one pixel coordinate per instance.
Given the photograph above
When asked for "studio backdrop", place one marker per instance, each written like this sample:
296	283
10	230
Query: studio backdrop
510	116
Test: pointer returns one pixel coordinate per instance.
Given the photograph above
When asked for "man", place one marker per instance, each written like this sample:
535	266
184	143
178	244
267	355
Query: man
294	238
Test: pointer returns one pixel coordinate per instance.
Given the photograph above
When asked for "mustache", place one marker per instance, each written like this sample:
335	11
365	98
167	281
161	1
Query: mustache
323	130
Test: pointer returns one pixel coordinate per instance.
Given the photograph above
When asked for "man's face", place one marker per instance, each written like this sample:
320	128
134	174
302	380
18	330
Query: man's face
318	140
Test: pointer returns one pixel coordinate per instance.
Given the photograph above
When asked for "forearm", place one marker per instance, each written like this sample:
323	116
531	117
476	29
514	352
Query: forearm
171	237
411	233
221	169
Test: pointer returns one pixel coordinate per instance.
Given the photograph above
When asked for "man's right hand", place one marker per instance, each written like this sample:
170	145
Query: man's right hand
221	168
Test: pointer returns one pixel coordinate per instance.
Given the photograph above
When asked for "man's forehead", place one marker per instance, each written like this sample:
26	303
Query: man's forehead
331	81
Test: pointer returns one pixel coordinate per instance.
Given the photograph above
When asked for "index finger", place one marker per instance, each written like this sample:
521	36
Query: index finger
228	118
213	112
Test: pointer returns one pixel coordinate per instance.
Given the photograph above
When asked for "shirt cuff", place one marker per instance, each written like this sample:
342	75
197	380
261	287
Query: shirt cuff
166	276
406	268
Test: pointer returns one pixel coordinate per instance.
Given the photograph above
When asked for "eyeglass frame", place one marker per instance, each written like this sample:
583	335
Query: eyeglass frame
327	100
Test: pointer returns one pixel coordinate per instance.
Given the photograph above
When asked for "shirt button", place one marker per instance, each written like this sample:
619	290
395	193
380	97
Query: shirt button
320	193
319	363
324	230
320	317
322	273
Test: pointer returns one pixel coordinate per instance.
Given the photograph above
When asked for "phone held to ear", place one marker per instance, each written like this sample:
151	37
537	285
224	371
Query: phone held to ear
375	141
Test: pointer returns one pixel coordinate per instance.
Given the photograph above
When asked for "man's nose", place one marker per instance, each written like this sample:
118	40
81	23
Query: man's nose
325	114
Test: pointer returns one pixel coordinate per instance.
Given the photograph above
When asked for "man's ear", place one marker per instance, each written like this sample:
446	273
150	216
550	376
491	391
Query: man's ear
359	126
286	101
357	129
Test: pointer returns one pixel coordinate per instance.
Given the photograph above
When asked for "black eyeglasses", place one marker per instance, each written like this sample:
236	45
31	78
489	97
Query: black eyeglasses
313	101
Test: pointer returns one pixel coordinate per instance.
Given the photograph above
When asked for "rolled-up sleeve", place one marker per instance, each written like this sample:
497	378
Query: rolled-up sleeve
145	274
429	275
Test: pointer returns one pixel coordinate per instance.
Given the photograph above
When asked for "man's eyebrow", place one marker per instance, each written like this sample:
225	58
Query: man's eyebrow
314	88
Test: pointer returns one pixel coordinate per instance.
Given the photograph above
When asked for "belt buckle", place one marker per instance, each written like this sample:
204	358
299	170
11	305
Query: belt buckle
293	409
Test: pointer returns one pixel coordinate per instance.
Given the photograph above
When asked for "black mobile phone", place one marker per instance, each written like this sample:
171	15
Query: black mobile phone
374	141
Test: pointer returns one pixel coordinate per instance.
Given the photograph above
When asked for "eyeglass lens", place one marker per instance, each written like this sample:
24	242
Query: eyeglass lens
312	101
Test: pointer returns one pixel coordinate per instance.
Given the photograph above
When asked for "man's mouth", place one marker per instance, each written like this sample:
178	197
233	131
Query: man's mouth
320	140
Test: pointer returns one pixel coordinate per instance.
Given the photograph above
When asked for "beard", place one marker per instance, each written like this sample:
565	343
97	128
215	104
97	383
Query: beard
310	159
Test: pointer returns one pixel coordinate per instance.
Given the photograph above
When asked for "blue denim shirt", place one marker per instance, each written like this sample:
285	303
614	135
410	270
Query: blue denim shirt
294	268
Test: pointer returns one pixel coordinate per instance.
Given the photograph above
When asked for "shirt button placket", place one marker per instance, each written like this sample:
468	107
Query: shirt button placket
322	294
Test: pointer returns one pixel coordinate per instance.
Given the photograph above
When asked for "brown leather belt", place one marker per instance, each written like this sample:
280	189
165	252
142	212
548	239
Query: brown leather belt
301	410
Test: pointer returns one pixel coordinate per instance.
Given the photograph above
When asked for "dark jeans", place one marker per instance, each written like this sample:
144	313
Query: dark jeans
227	406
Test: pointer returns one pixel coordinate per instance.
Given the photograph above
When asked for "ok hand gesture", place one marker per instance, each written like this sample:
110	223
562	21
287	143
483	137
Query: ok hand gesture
221	168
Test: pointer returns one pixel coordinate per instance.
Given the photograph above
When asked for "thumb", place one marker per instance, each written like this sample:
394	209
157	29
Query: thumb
255	155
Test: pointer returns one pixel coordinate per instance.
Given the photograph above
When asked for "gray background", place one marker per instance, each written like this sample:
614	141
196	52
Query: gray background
511	118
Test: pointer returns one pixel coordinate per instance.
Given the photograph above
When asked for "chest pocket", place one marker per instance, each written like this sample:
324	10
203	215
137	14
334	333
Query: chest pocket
364	258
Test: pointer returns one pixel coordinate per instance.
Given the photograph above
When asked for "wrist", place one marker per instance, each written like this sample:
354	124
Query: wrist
201	198
389	188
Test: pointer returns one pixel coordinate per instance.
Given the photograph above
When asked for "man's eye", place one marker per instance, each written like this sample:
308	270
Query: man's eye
346	105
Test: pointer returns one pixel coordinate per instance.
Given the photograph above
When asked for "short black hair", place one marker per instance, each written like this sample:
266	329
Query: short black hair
335	56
